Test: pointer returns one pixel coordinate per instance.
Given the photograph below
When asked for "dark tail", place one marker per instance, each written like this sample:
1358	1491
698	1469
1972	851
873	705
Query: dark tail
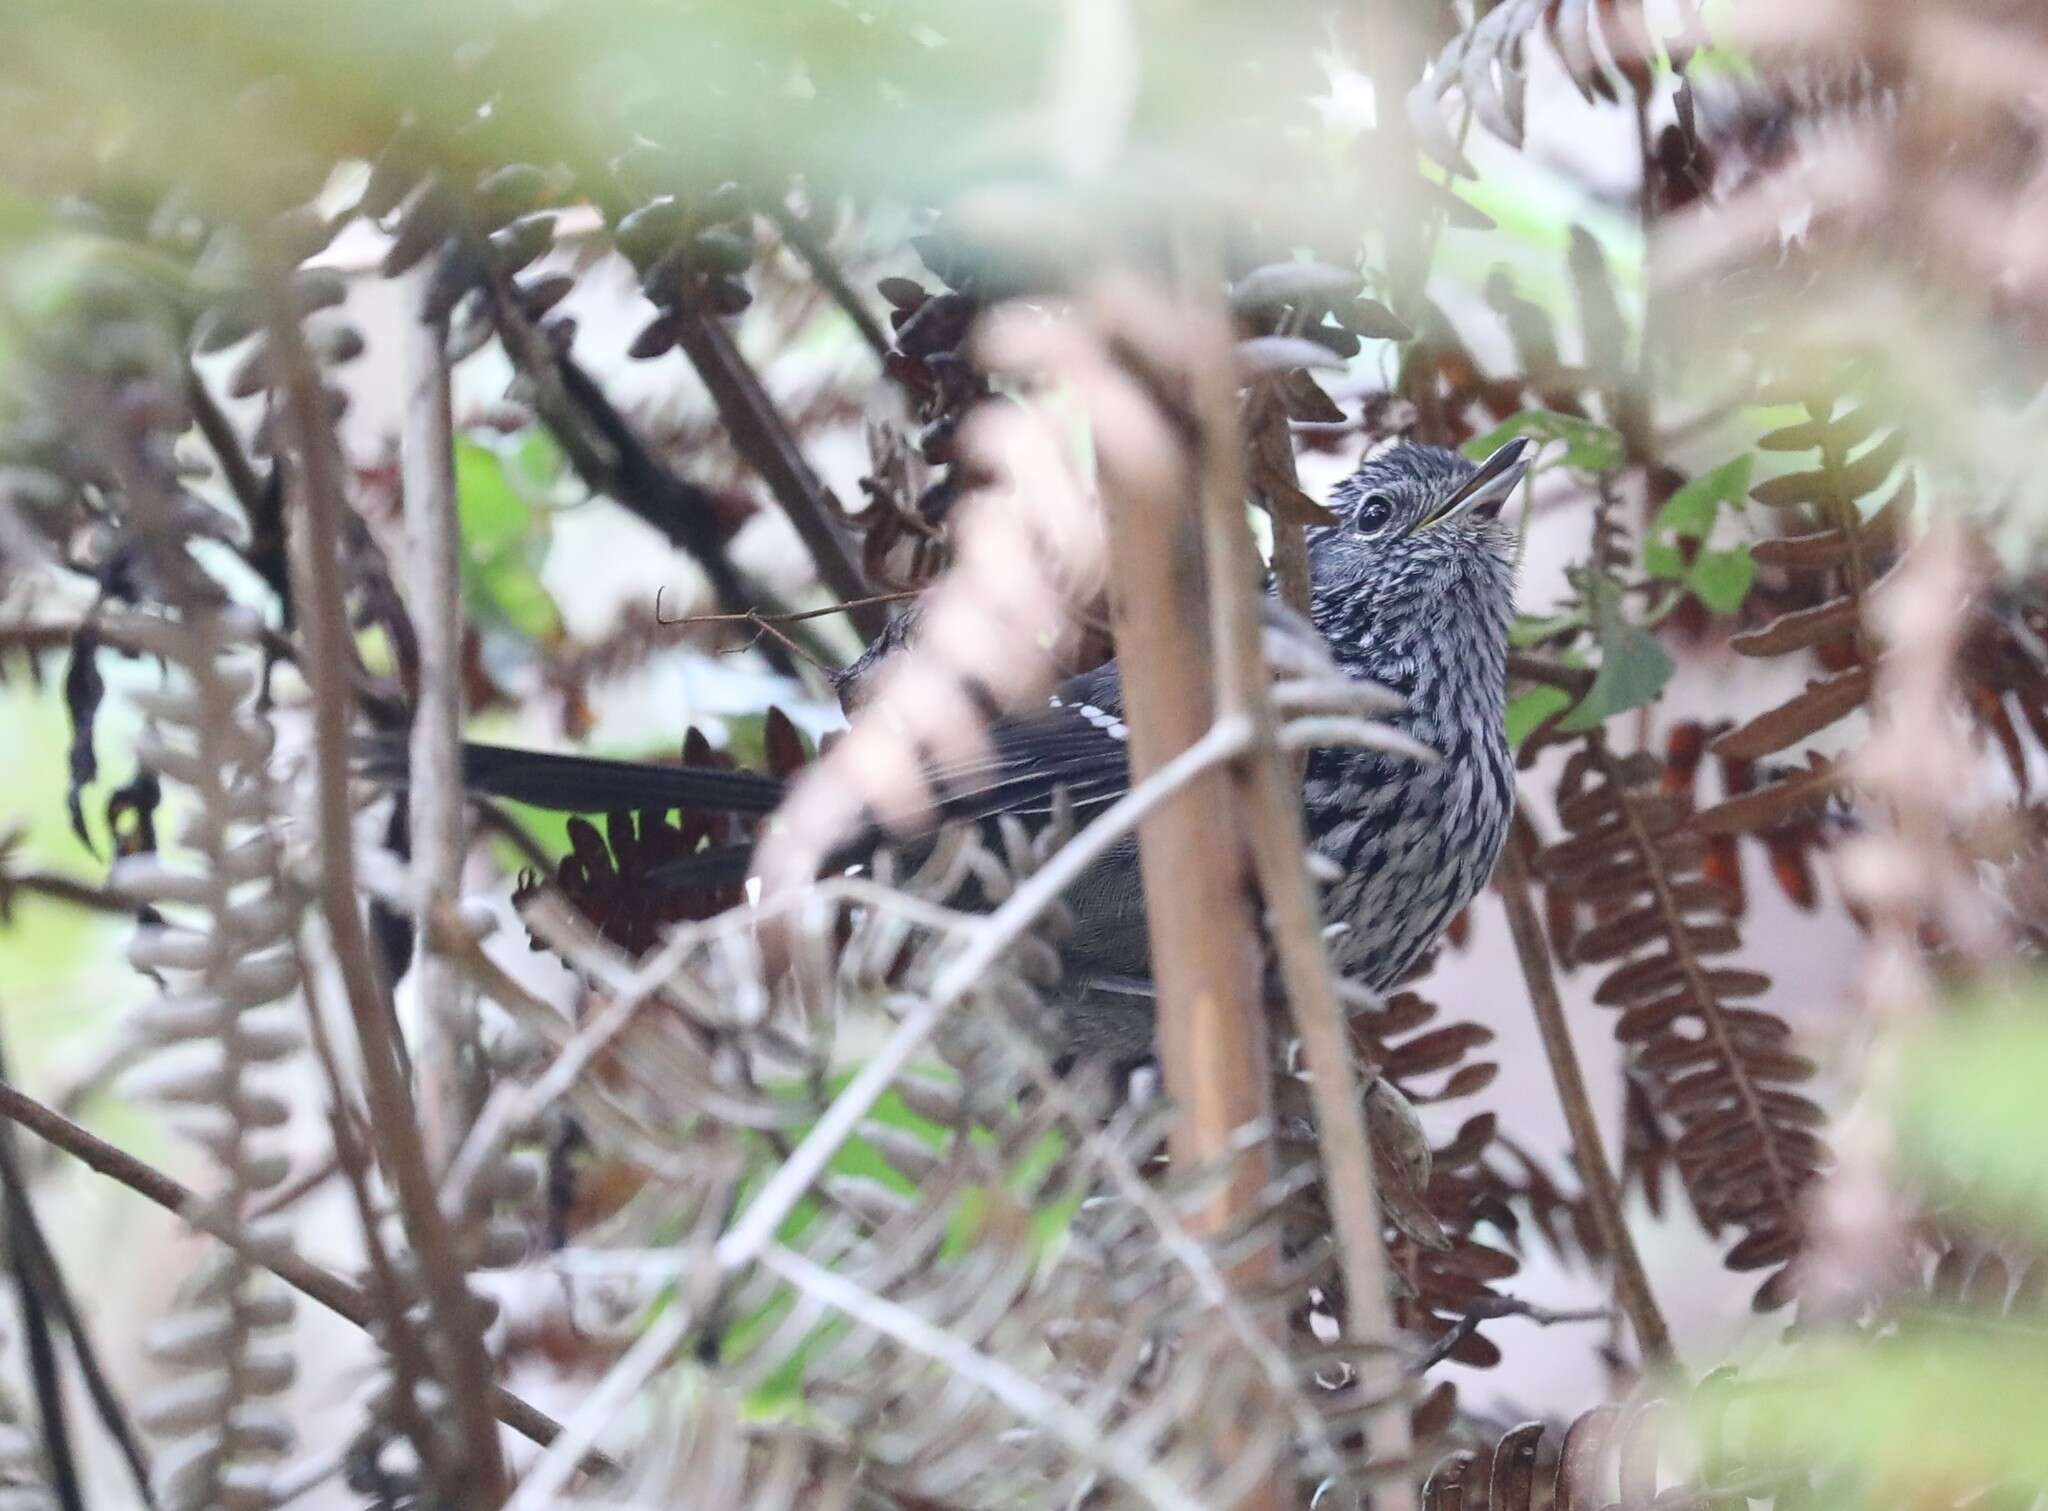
592	784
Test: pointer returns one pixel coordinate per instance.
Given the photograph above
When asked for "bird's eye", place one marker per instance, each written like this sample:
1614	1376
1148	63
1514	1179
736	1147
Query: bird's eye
1374	513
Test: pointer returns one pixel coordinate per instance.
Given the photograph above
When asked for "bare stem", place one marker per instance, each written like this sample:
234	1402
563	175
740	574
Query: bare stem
1576	680
1631	1282
316	564
612	459
756	617
447	1018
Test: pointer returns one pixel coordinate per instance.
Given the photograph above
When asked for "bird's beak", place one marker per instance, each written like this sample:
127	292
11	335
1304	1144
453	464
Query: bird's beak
1486	490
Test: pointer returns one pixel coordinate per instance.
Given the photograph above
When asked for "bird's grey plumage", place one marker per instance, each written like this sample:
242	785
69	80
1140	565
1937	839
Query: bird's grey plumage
1406	593
1425	612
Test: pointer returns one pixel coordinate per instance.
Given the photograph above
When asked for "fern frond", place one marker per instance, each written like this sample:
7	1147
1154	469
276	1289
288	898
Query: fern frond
1721	1071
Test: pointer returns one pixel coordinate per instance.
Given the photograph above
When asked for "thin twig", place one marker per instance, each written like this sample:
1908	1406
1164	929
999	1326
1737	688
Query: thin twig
823	268
435	807
400	1334
295	1189
760	435
65	889
756	617
265	552
542	1484
317	574
343	1298
25	1247
1490	1307
1631	1282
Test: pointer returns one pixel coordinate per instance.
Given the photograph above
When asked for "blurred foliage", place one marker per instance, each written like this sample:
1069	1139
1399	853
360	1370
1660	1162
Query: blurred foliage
1947	1398
1972	1119
249	107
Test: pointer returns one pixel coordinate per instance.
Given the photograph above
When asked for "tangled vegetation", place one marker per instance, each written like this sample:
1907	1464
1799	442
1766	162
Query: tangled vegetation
782	388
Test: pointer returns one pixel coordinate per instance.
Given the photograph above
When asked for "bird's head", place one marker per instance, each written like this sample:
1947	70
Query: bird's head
1418	535
1408	497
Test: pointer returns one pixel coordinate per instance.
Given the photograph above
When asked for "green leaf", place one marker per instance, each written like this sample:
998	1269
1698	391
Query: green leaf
1531	709
1721	579
494	515
1588	446
1633	666
504	541
1693	509
1971	1117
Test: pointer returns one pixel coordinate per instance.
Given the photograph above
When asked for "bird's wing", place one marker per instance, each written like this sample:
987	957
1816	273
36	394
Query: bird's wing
1075	745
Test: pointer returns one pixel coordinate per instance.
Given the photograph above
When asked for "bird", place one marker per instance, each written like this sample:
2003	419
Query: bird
1411	586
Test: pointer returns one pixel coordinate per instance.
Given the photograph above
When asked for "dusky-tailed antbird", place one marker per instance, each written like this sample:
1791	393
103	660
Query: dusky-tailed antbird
1411	588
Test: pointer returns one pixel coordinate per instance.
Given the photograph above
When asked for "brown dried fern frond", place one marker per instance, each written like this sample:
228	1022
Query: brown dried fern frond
1719	1070
1438	1201
1832	567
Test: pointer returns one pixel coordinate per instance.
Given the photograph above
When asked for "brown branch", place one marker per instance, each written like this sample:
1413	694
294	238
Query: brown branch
219	433
316	565
64	889
1631	1282
1488	1308
42	1284
1523	667
1192	853
760	435
345	1299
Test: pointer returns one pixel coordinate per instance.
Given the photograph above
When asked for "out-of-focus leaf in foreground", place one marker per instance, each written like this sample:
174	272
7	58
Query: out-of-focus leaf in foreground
1921	1417
1973	1120
910	98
